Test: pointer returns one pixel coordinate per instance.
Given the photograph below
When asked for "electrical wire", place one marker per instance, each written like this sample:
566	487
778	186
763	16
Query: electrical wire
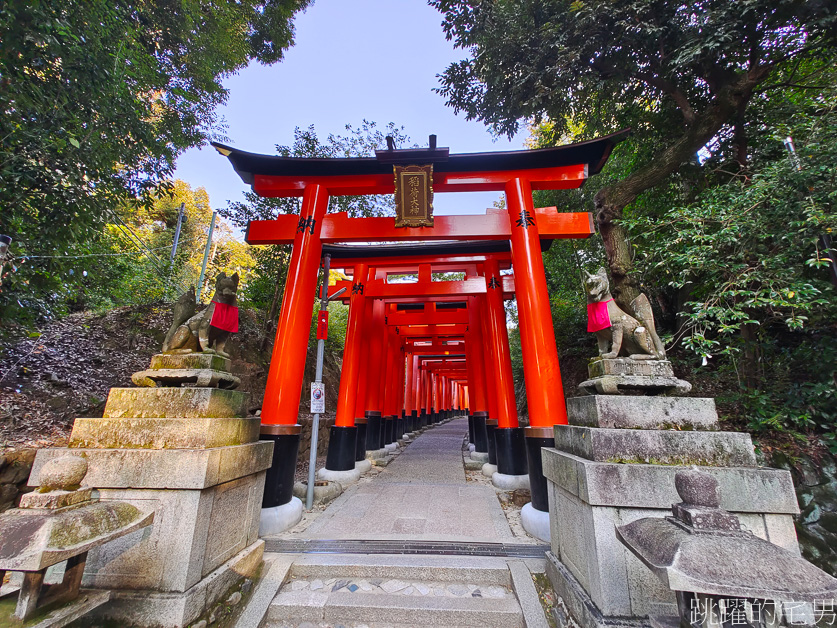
153	259
156	248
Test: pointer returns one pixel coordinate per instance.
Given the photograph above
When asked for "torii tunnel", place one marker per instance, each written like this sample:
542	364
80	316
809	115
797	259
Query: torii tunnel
421	351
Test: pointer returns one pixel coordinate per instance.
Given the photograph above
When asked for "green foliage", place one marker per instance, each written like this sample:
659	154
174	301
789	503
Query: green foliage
129	261
748	256
801	396
609	64
680	75
749	249
98	99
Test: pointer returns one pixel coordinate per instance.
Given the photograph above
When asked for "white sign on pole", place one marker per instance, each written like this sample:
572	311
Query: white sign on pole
317	398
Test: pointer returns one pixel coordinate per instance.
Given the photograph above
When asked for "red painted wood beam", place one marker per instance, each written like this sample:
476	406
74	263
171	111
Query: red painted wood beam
469	286
556	178
338	227
408	264
429	331
442	317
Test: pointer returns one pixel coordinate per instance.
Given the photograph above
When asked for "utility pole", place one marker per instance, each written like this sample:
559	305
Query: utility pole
322	333
177	232
205	258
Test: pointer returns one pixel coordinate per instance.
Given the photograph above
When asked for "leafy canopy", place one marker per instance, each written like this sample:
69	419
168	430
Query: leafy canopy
98	98
272	260
604	62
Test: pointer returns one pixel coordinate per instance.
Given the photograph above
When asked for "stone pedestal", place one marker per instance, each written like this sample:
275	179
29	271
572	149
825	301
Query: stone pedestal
612	376
615	463
191	457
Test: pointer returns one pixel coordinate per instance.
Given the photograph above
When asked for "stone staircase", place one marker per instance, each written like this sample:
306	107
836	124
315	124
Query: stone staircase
354	590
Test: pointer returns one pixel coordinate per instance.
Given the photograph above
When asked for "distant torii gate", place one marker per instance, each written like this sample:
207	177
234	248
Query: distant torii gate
488	286
516	173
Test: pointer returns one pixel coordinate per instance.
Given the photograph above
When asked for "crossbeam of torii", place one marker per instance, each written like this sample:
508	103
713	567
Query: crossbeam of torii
516	173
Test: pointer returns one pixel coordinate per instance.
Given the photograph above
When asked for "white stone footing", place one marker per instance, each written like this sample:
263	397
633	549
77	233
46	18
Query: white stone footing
535	522
471	447
343	477
376	454
363	465
479	456
510	482
280	518
488	469
391	447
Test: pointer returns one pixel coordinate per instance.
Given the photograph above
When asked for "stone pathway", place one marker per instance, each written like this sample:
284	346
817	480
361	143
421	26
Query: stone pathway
395	586
422	494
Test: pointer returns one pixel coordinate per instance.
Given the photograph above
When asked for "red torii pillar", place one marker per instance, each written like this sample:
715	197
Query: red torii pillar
280	407
344	451
477	367
508	436
409	393
388	382
374	408
491	367
544	390
363	376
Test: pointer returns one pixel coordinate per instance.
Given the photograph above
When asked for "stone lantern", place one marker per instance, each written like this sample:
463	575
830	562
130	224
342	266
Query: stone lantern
60	522
721	574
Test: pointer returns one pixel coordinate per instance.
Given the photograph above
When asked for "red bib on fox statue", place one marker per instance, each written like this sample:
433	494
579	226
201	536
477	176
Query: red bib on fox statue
597	316
225	317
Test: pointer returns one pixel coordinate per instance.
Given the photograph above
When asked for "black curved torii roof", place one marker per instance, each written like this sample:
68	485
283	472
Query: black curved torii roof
594	153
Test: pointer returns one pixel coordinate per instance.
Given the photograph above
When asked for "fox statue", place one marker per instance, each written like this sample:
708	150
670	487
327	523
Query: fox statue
208	330
620	334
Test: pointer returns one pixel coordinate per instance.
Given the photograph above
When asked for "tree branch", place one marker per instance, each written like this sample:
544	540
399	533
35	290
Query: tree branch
606	69
611	200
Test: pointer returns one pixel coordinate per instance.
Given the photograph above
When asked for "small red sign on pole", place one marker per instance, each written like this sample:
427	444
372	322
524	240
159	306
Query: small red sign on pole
322	325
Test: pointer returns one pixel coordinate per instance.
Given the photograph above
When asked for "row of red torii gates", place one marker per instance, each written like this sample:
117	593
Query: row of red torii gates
418	352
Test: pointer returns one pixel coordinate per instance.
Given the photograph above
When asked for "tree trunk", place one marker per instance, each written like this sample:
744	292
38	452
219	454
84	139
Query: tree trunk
625	286
750	356
610	202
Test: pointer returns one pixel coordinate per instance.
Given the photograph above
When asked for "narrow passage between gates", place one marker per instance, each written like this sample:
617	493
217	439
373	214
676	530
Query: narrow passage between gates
422	495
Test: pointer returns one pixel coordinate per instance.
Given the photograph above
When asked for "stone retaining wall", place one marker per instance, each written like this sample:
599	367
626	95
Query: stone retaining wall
816	491
324	432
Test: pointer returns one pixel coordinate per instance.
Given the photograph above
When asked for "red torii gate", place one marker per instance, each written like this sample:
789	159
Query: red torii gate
516	173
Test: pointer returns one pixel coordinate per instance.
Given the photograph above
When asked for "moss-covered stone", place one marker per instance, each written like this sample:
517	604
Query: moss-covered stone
175	403
160	433
211	361
87	523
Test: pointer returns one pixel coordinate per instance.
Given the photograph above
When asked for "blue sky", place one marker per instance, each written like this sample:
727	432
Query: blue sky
372	59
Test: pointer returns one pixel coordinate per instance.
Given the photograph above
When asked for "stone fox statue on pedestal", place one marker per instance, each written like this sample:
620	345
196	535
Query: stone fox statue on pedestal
208	330
617	332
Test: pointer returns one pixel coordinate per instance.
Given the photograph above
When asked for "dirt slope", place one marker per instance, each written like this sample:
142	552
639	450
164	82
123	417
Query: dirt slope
48	380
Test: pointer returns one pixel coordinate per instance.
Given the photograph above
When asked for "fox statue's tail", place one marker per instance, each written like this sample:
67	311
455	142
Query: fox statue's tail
643	312
183	310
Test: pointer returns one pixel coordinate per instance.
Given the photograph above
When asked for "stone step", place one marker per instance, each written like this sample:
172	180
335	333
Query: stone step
370	591
294	608
473	569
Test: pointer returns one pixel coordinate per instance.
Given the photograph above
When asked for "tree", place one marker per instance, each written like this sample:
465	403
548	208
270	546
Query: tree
748	253
129	261
681	74
98	99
